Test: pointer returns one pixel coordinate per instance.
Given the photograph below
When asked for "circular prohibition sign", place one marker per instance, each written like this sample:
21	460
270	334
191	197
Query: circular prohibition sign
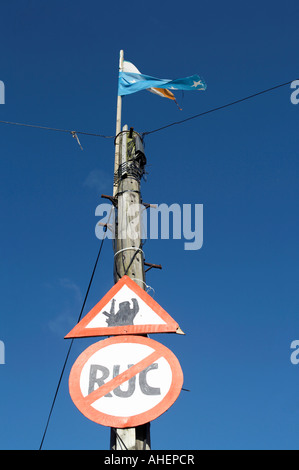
125	381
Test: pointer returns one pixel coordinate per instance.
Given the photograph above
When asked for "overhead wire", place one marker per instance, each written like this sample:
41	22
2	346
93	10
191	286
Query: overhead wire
68	131
195	116
232	103
72	341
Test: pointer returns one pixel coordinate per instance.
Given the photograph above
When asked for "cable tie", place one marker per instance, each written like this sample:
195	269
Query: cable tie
128	248
148	288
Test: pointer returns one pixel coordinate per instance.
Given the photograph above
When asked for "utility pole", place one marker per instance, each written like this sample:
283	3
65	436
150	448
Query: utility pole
129	167
128	254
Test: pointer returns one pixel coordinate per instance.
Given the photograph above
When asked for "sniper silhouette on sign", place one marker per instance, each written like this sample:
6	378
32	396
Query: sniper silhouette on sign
125	314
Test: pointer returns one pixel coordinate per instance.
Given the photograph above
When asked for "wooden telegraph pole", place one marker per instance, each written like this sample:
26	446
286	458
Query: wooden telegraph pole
128	255
129	275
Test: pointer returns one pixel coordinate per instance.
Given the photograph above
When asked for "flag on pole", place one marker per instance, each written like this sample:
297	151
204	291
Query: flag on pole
131	81
128	67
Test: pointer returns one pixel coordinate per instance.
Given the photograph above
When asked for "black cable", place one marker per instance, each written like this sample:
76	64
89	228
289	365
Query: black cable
57	130
119	438
132	259
218	108
70	347
154	130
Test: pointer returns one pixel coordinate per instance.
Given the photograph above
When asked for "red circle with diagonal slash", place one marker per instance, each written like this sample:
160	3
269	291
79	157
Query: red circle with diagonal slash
115	415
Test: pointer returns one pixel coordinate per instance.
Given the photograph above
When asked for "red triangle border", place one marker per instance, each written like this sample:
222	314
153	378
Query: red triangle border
80	330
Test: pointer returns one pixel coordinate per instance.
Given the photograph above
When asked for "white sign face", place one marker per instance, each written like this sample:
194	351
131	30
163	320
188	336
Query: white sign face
122	381
138	394
130	304
125	309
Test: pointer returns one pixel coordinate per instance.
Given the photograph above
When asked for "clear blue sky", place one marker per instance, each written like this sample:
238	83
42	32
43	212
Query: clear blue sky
237	297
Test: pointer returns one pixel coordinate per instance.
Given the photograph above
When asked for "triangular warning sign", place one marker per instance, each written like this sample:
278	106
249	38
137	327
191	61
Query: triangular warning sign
125	309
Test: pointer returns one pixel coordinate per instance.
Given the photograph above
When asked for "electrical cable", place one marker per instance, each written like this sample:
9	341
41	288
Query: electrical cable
72	132
218	108
72	341
57	130
120	439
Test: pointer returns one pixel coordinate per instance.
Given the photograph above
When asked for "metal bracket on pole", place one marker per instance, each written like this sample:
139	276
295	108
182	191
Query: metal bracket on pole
108	226
146	205
111	199
156	266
